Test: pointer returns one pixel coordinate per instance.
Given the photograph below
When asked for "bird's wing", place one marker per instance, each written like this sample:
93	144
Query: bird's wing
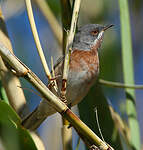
59	61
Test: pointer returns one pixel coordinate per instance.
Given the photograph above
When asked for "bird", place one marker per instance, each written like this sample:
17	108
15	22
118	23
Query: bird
83	72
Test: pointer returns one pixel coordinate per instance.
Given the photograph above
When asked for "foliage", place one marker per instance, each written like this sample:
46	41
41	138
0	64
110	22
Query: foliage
12	134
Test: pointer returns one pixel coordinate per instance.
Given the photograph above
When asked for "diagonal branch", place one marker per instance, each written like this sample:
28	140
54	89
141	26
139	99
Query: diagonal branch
53	100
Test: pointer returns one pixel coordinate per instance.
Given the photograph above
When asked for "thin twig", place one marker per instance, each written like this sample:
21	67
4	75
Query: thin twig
53	76
96	114
119	85
36	38
78	143
30	90
55	26
69	45
53	100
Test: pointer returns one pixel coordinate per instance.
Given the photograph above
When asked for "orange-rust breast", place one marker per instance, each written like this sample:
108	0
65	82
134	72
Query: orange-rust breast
83	71
82	60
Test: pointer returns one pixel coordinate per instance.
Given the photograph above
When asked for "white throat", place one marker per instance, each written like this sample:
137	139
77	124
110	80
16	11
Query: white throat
99	38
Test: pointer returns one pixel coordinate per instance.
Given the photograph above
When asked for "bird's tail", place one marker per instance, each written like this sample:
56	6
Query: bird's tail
34	119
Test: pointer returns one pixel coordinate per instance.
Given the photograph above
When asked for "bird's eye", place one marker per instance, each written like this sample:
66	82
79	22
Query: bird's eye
95	32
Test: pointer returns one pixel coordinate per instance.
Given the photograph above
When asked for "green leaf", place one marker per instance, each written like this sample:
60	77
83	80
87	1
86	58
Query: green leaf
3	95
12	134
7	114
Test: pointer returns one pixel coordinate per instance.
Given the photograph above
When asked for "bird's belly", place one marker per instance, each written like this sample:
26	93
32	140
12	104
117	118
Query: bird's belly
79	84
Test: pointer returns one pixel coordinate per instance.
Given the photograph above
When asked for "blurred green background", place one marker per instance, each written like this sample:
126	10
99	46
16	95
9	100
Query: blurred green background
100	12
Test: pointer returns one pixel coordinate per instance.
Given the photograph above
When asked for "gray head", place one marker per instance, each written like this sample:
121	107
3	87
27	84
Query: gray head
87	36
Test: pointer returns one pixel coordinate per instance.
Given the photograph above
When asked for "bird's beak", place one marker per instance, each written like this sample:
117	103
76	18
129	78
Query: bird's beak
100	35
107	27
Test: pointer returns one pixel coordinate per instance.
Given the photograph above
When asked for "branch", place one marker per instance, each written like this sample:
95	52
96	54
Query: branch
66	23
119	85
69	45
53	100
36	38
66	20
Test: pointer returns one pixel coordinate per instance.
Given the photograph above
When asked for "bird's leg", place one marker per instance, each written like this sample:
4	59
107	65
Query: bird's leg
51	83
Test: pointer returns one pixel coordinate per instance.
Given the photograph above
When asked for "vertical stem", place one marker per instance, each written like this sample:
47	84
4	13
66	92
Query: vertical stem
66	135
66	20
128	73
68	36
69	42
